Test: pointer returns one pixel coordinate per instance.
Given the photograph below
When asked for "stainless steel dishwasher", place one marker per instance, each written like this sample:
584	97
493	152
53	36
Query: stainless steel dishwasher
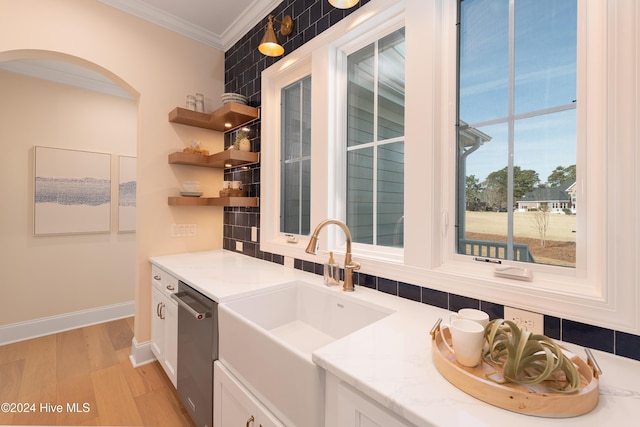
197	350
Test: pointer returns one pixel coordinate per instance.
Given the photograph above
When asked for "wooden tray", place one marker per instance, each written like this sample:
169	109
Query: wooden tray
534	400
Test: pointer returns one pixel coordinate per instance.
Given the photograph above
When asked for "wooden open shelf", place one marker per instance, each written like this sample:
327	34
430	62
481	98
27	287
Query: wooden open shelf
214	201
218	160
229	116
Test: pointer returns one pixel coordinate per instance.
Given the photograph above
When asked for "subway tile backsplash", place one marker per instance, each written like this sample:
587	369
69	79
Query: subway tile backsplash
243	66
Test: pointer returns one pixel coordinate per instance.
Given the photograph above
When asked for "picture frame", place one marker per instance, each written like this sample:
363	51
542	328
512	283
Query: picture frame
72	191
126	194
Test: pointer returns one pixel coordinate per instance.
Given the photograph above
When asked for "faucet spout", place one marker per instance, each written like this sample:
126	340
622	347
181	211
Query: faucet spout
349	265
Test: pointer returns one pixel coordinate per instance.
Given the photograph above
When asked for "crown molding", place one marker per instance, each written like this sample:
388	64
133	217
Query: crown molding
223	41
257	12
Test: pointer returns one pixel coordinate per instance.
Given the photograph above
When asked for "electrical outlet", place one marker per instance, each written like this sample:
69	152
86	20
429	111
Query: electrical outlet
288	262
239	246
182	230
533	322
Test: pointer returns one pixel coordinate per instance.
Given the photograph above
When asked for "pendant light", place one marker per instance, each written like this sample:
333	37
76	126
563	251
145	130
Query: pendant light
343	4
270	45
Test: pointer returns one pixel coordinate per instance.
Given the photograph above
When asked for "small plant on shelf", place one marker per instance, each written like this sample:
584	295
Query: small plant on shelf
242	141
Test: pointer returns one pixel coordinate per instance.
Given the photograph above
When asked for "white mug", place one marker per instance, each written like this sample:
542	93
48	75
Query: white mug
468	339
236	185
471	314
226	185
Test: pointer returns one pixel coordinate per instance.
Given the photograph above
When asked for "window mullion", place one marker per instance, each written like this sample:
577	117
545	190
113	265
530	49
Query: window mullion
511	126
300	178
375	142
521	116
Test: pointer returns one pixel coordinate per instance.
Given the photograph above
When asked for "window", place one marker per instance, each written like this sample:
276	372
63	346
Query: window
601	286
296	157
375	142
517	130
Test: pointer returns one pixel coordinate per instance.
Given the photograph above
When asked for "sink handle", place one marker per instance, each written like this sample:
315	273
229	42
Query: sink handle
250	420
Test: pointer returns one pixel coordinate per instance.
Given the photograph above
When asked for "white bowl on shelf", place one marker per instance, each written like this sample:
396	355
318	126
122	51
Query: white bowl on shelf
190	186
191	193
233	97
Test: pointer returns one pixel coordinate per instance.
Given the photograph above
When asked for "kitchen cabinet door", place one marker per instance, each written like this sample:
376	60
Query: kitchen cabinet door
357	410
164	322
157	325
348	407
234	405
171	340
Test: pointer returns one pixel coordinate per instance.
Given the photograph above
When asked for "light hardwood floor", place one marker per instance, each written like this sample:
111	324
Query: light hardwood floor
86	375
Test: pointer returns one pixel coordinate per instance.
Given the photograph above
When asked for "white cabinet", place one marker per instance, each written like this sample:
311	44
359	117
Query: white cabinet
234	405
164	321
347	407
157	325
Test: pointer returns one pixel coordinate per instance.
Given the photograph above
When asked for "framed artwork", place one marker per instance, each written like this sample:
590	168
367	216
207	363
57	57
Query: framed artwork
127	194
72	192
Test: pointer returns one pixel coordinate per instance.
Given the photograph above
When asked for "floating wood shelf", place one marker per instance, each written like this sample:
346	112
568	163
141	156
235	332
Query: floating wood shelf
230	116
214	201
219	160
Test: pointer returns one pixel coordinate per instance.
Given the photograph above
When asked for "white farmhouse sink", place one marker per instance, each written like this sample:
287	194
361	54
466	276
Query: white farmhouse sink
267	340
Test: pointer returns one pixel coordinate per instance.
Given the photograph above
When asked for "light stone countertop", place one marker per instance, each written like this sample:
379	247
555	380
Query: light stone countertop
390	360
224	275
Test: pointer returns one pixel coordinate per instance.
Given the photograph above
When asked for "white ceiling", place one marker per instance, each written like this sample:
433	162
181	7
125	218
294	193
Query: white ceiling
217	23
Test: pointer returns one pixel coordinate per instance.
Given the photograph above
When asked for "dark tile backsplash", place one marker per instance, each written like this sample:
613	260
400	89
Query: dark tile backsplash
388	286
435	298
627	345
243	66
588	336
456	302
409	291
552	327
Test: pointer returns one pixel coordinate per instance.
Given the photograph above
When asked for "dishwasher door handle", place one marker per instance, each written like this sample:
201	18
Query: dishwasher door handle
195	309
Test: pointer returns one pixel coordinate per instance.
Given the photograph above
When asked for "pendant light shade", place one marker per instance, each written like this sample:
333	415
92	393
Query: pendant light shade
343	4
270	45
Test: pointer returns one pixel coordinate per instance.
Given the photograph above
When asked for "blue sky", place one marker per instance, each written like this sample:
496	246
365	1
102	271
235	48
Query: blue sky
545	64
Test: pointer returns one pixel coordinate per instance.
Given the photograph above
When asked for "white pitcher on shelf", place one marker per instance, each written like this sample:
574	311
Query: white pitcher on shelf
242	142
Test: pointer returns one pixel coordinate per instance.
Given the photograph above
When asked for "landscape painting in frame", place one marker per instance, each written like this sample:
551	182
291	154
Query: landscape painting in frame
127	194
72	191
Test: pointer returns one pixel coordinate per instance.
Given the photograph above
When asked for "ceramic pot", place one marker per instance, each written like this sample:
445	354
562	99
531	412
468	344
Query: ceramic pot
245	145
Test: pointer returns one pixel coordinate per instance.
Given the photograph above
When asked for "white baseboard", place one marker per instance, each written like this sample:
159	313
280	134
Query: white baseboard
141	354
50	325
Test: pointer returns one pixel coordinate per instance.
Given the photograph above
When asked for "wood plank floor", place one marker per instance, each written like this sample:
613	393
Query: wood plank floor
84	377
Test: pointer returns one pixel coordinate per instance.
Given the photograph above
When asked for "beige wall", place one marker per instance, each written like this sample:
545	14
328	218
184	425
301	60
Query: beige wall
159	68
51	275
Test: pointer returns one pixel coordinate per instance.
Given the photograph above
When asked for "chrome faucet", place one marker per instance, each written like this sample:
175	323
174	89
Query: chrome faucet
349	265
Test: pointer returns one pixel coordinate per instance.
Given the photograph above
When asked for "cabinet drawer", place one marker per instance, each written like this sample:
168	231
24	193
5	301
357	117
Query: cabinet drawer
163	281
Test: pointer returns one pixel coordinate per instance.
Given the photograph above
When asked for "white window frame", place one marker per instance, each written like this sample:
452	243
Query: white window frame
394	21
299	159
605	291
321	57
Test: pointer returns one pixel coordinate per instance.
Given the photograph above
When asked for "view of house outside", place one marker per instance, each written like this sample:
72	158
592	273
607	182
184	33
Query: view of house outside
517	130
